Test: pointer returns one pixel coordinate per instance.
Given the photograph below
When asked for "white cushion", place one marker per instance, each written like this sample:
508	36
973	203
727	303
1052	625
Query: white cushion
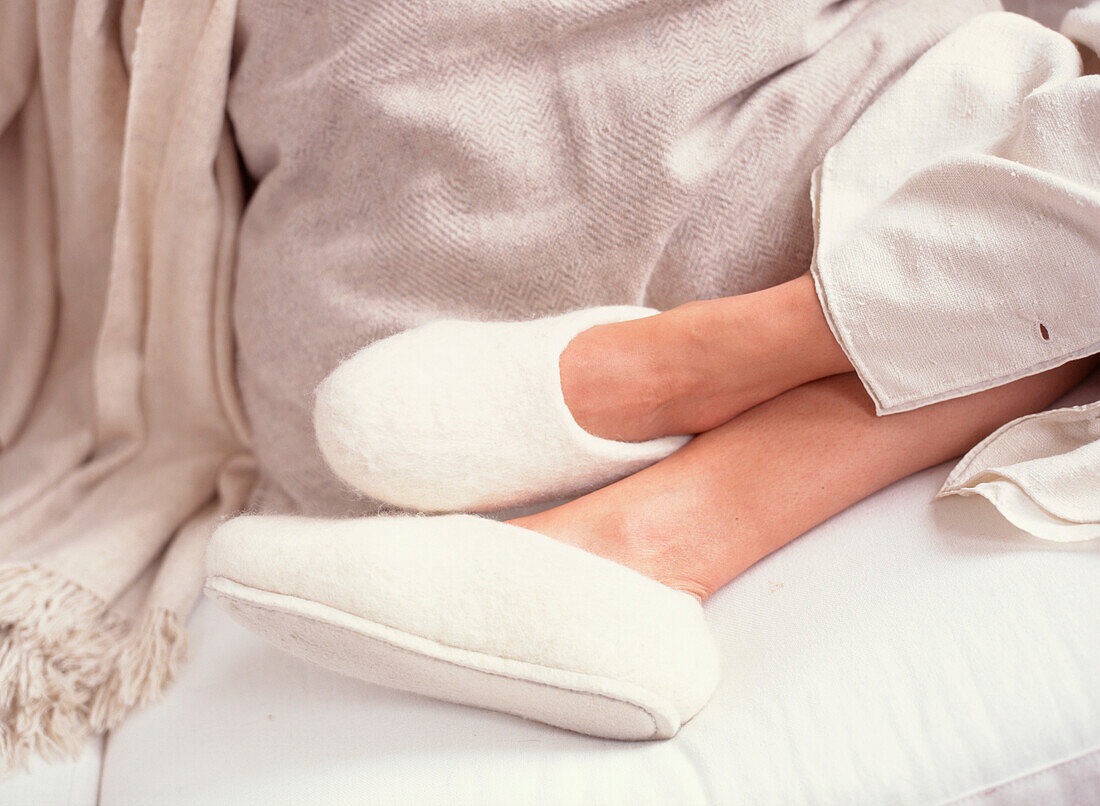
70	783
905	652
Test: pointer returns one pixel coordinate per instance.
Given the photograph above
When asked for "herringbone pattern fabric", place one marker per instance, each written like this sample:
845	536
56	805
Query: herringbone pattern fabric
419	159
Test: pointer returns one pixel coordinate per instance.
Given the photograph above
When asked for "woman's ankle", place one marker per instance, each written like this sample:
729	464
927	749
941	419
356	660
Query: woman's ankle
606	532
696	366
770	340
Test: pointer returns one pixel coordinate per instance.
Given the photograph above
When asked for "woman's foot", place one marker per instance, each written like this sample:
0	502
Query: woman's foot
700	517
692	368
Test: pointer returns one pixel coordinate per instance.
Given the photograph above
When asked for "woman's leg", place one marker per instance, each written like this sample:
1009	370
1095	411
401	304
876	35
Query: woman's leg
699	518
694	367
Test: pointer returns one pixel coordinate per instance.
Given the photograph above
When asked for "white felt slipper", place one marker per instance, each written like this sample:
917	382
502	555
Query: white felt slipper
470	416
474	611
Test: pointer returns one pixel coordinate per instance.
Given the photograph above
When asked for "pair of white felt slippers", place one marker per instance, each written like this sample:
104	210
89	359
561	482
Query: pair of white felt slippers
470	417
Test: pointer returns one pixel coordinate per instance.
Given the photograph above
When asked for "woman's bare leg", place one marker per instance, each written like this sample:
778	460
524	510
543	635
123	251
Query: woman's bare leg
694	367
699	518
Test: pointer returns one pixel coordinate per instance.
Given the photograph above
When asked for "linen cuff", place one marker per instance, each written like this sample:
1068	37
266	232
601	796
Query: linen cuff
1040	471
957	225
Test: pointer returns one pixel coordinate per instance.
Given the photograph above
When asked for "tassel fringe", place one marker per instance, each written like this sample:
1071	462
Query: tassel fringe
69	667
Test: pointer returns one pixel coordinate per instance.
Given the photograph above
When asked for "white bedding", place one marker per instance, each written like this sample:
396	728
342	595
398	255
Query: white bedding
75	783
905	652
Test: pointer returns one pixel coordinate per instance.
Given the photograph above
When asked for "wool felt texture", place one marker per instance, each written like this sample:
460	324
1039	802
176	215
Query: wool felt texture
470	416
121	440
474	611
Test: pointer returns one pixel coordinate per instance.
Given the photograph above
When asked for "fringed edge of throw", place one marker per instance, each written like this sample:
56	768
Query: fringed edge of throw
70	667
146	665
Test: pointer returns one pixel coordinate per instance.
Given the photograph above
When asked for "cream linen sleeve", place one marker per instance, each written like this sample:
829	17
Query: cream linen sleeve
958	248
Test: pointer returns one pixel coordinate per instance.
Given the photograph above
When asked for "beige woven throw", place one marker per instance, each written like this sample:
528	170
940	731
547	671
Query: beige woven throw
120	441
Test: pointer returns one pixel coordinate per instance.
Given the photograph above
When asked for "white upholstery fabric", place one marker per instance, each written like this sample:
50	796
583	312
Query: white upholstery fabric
908	651
72	783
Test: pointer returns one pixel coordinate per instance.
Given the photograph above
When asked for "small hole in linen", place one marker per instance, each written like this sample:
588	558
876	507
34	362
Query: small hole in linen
1044	332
